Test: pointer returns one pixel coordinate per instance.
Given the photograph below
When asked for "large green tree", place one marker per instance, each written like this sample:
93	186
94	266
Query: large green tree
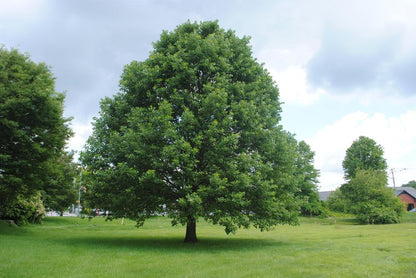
33	129
363	154
194	132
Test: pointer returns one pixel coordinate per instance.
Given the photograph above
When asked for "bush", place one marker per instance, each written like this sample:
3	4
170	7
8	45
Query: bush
25	210
368	197
379	215
317	208
336	201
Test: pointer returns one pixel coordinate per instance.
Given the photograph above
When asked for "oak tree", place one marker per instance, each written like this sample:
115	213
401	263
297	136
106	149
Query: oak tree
194	132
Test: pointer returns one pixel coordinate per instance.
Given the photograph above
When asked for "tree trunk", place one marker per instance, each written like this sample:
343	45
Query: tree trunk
191	231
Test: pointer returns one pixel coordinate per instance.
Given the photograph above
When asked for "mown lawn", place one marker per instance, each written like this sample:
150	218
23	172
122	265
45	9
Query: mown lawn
74	247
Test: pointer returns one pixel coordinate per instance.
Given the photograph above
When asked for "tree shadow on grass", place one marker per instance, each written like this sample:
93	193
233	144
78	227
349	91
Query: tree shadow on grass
172	244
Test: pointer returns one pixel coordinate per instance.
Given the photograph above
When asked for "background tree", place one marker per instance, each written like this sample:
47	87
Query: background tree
60	192
194	132
33	130
411	183
363	154
366	193
307	179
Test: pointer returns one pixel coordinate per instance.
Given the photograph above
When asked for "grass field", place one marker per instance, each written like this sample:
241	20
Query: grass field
74	247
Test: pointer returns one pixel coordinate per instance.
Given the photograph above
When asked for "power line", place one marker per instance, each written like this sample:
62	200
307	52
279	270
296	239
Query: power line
393	170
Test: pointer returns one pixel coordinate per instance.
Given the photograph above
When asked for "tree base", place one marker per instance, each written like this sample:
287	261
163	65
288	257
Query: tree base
191	232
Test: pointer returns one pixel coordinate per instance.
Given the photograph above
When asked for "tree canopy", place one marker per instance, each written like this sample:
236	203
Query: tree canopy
33	129
363	154
194	132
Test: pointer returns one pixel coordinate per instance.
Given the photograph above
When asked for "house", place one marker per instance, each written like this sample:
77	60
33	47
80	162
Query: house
407	195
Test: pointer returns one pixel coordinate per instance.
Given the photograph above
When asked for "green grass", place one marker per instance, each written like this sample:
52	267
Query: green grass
335	247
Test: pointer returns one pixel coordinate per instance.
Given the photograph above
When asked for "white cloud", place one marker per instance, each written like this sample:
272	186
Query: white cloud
294	87
19	7
81	133
397	135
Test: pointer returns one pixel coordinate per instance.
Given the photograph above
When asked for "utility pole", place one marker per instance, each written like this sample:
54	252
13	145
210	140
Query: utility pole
79	192
75	186
392	170
392	176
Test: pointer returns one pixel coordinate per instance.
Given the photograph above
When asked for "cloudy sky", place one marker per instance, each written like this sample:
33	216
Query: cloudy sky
344	68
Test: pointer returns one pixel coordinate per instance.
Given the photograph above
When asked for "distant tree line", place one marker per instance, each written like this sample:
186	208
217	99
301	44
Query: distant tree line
411	183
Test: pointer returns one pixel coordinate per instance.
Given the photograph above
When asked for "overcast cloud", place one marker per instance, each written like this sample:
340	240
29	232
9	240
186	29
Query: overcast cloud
344	68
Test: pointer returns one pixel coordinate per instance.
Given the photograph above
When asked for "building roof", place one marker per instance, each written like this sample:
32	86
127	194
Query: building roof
409	190
323	195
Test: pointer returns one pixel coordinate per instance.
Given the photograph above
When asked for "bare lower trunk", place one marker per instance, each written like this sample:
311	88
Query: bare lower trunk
191	231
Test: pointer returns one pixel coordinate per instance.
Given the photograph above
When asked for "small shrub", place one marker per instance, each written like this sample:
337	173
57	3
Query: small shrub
379	215
26	210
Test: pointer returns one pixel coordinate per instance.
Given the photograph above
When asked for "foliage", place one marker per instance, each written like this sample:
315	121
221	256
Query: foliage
379	215
60	192
336	201
409	217
363	154
33	130
366	193
25	210
194	133
307	180
411	183
368	196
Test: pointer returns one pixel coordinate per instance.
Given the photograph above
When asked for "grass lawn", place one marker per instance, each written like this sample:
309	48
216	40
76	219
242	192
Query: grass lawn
74	247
